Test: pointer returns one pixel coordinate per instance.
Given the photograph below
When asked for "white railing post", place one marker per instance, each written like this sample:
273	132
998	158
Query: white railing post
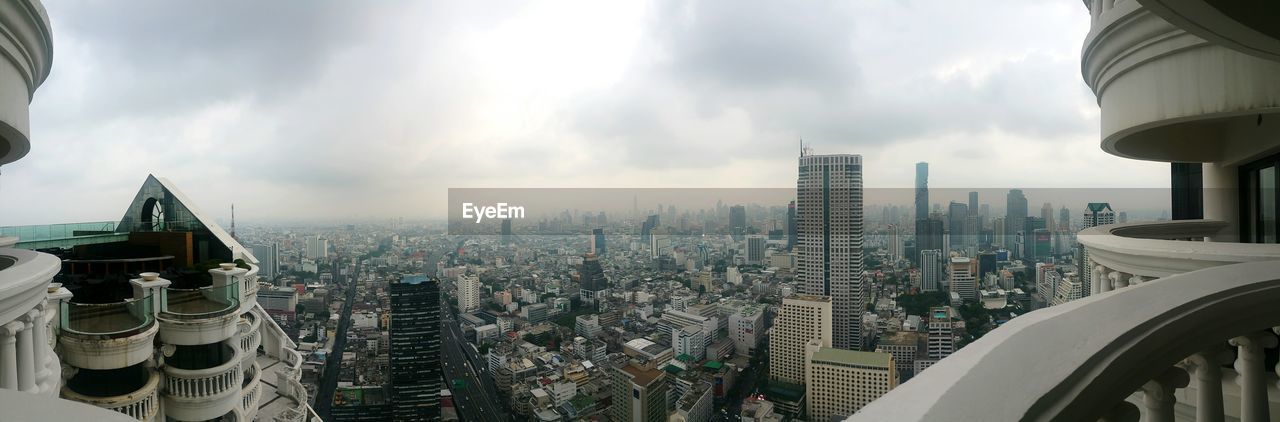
1157	394
9	355
1253	387
1208	372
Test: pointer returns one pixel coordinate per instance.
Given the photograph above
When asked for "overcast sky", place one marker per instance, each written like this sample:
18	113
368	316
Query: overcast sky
333	110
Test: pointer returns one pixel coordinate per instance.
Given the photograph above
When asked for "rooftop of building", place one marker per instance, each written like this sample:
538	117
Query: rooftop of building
852	357
900	338
640	376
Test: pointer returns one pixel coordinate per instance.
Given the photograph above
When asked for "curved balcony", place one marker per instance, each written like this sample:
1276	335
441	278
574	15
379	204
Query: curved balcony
251	392
137	389
24	280
28	363
250	335
1129	254
202	382
299	412
1140	66
249	289
1123	355
107	335
28	52
199	316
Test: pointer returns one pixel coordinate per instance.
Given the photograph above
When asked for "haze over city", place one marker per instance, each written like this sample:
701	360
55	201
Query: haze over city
356	110
604	211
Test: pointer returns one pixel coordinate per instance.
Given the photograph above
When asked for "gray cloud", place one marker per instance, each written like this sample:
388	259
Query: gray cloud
327	109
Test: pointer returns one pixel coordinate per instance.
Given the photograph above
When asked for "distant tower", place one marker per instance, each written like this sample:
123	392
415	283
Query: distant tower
830	223
233	221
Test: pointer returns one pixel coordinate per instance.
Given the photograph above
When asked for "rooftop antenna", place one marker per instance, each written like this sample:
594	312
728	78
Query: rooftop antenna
804	150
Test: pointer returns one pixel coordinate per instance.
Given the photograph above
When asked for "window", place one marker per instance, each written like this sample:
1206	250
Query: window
1258	200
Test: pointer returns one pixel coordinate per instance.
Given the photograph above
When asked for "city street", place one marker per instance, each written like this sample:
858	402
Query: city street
329	381
478	399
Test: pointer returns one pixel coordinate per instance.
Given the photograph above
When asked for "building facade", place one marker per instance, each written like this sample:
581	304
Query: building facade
801	319
415	348
840	382
830	220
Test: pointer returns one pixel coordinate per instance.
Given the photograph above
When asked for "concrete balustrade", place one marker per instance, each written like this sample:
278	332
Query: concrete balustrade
1139	352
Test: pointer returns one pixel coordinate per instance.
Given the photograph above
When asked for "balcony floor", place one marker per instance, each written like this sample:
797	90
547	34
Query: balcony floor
271	403
108	323
193	307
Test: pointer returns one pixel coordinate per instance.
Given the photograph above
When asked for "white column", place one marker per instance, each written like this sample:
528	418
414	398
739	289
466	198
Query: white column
1095	280
1208	373
40	343
1117	281
9	355
1104	279
1157	394
1221	199
26	357
1253	387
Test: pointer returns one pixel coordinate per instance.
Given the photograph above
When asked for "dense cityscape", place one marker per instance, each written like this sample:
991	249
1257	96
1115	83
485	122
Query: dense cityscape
839	297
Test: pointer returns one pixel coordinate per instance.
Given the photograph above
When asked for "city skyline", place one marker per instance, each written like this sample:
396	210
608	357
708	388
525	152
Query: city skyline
300	135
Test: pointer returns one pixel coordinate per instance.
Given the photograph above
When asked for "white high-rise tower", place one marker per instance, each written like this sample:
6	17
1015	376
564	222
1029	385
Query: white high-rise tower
829	225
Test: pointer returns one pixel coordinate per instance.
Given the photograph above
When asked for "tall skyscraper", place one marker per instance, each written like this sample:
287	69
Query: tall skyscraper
737	221
973	202
755	249
791	225
957	221
942	340
1096	214
1015	215
1064	219
506	231
929	233
1035	240
268	260
1046	214
930	269
922	190
924	240
598	246
415	349
964	281
801	320
468	293
594	286
317	248
829	216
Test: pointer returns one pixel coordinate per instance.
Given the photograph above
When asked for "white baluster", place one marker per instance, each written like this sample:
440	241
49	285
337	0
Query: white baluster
1253	388
1104	281
1208	373
9	355
26	356
1158	394
39	344
1136	280
1117	282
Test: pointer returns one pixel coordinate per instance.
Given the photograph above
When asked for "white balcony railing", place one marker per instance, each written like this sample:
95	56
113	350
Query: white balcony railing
142	404
25	355
251	393
1083	359
250	336
1122	255
205	383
